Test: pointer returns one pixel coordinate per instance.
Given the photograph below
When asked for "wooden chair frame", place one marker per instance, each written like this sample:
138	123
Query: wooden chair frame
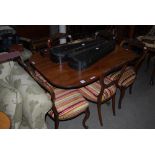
140	44
152	75
56	120
99	97
135	68
16	56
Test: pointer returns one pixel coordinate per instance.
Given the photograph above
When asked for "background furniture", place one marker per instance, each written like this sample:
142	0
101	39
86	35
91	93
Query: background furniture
8	37
5	122
148	39
122	32
33	31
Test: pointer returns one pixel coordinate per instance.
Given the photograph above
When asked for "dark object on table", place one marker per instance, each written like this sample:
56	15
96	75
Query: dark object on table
88	56
38	44
106	34
44	51
61	53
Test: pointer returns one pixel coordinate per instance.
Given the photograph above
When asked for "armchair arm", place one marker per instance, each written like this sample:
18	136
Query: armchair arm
32	73
9	56
36	102
40	81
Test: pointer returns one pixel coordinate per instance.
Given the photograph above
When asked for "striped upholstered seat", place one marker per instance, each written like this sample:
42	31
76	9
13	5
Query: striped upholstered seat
69	103
127	78
92	91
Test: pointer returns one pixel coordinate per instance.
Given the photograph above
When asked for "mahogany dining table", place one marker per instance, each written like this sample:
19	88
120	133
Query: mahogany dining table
63	76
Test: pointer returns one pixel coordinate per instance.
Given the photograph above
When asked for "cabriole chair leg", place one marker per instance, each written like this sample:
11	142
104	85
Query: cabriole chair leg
56	123
148	62
87	114
99	113
130	89
122	93
113	105
152	76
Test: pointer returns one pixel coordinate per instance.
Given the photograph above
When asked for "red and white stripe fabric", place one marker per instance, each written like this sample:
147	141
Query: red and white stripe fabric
91	91
127	78
69	103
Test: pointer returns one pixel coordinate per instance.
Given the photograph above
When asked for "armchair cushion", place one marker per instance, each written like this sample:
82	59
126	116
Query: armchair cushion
69	103
35	101
5	70
92	91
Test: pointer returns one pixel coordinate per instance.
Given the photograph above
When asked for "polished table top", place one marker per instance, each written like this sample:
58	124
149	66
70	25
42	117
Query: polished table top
63	76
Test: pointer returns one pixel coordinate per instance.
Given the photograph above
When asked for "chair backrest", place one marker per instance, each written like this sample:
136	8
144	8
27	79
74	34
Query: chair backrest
105	85
138	44
136	66
140	60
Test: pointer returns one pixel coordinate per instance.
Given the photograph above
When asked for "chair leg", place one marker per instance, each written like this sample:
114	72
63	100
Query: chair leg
99	113
122	93
152	77
148	62
56	123
113	105
87	114
130	89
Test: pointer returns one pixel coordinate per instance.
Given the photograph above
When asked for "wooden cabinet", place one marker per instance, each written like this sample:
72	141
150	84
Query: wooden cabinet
33	31
41	31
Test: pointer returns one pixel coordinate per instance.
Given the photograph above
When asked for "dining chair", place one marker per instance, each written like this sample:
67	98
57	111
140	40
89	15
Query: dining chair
151	55
127	76
100	92
67	104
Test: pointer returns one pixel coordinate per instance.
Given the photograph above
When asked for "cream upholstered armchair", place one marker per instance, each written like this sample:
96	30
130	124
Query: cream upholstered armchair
21	98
